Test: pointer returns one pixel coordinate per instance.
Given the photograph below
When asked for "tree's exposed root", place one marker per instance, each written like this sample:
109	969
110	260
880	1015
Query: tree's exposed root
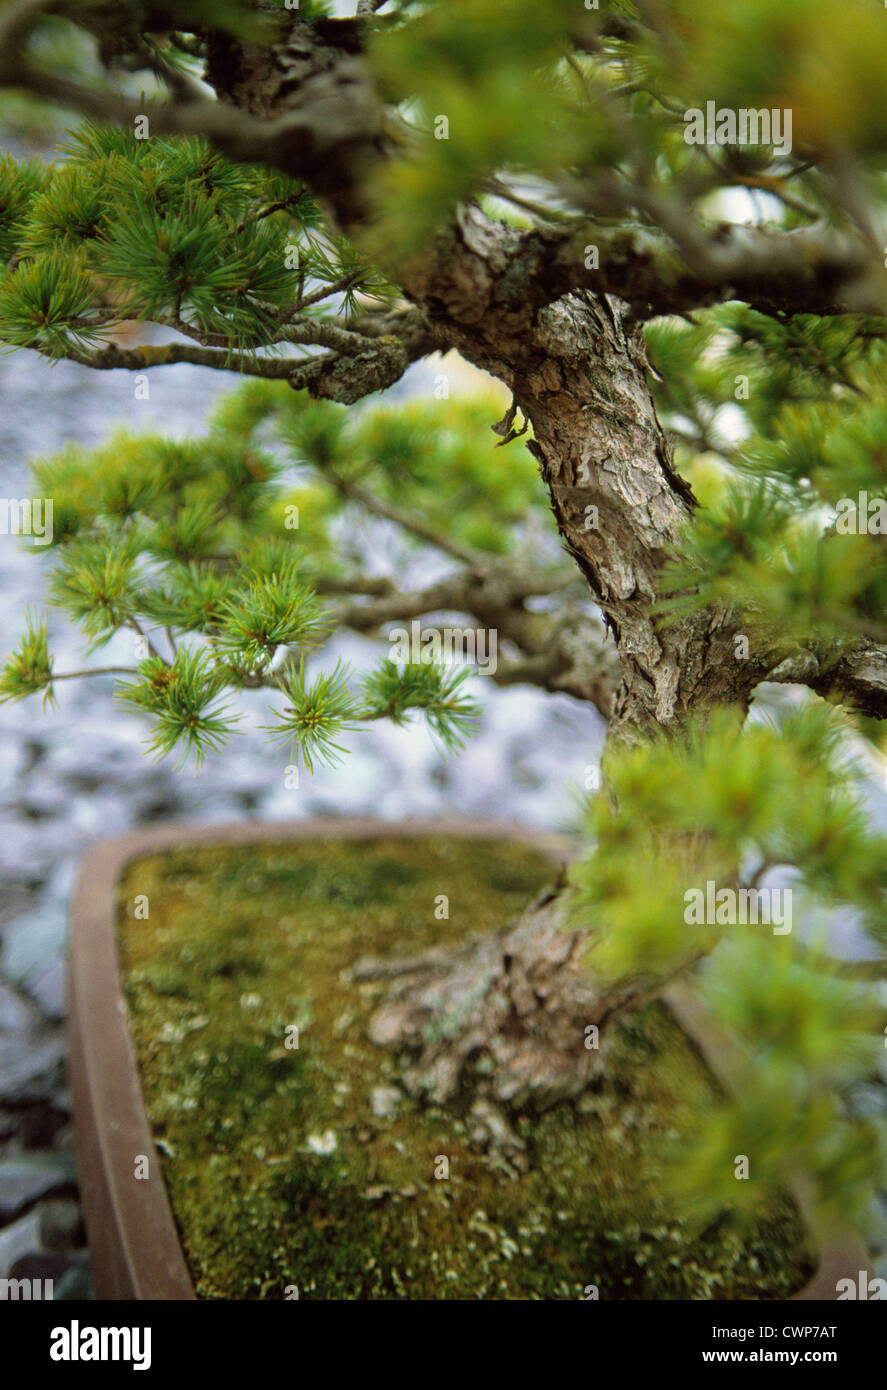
496	1025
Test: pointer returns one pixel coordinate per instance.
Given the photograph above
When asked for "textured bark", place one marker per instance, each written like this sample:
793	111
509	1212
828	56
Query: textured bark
497	1025
858	680
315	72
578	370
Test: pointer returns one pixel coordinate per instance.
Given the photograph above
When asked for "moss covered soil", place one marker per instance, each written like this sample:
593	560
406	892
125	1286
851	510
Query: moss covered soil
280	1172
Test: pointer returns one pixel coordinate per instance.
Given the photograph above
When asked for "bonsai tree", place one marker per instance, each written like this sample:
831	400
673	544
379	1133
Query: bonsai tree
660	227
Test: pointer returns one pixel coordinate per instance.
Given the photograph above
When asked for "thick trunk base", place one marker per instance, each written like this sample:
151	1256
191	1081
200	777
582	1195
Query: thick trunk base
498	1025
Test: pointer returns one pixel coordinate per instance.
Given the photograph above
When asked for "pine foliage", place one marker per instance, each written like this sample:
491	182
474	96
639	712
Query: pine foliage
187	545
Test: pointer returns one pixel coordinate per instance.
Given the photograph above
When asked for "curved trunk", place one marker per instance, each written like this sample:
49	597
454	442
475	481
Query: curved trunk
500	1024
578	369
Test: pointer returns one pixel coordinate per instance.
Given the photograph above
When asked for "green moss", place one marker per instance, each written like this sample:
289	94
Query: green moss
278	1171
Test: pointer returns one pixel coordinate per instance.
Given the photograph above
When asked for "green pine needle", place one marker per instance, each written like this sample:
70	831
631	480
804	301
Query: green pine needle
29	668
272	612
316	715
49	304
392	691
96	584
182	696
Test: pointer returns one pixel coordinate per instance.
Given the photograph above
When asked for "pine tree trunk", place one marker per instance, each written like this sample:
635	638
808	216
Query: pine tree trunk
499	1024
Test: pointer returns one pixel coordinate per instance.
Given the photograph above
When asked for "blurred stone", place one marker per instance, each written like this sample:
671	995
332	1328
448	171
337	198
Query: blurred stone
38	1125
76	1284
31	943
26	1177
16	899
40	1264
17	1240
868	1101
17	1015
61	1224
49	990
29	1069
28	849
63	1139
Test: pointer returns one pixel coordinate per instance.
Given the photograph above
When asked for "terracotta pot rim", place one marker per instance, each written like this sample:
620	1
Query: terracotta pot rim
137	1254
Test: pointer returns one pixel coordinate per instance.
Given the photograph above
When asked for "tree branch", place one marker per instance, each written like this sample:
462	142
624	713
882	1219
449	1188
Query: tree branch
333	141
565	653
334	376
330	141
407	520
94	671
858	680
140	359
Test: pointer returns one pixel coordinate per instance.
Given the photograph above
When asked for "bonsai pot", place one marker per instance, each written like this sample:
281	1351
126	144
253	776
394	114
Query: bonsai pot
136	1250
